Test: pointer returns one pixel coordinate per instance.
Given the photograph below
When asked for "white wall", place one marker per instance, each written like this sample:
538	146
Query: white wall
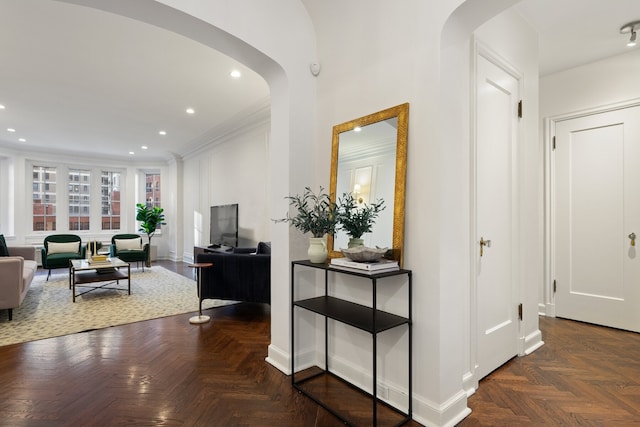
235	170
598	84
375	55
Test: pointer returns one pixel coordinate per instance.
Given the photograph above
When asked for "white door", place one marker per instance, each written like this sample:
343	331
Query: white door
497	129
596	185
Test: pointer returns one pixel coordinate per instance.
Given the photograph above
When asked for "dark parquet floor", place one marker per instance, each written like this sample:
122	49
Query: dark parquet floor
166	372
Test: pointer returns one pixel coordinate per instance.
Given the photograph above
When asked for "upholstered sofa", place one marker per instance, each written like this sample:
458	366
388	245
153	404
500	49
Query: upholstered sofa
16	273
243	274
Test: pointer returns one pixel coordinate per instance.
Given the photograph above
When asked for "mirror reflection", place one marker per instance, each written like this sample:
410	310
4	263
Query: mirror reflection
367	168
369	160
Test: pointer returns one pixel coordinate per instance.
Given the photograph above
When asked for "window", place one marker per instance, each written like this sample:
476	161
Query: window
152	190
110	194
44	198
79	199
152	193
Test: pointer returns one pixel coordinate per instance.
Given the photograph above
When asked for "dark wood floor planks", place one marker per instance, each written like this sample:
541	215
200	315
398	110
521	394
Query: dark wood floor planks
167	372
584	375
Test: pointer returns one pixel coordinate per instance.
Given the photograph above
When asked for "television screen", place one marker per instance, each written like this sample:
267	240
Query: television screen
224	225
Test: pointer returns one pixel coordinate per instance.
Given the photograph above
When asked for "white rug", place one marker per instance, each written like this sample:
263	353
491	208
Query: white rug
47	310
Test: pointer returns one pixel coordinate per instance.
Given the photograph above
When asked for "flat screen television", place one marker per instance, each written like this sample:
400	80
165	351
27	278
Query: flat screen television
224	225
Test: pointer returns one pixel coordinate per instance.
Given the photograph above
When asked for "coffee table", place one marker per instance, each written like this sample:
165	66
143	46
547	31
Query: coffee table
82	273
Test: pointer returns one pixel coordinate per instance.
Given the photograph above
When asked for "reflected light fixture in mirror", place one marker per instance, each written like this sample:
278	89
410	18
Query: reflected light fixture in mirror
368	159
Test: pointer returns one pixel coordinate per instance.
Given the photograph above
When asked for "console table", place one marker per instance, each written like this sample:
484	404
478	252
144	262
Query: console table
366	318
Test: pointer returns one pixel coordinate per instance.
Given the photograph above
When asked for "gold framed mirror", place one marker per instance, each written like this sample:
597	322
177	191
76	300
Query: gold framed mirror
369	160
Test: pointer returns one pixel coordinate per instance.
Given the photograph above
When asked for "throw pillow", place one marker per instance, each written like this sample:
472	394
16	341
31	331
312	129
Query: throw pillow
264	248
63	248
128	244
4	250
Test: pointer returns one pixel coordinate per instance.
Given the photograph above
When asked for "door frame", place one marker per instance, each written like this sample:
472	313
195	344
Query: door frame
479	49
547	307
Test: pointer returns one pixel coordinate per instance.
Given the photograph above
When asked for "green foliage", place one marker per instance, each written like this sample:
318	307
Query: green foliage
356	220
150	218
315	213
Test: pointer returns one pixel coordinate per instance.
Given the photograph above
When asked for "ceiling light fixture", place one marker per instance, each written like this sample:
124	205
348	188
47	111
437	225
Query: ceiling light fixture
235	74
631	28
132	153
144	147
190	111
11	130
2	107
162	132
22	140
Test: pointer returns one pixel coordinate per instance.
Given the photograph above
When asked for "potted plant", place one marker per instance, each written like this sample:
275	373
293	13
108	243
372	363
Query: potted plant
356	218
150	218
315	214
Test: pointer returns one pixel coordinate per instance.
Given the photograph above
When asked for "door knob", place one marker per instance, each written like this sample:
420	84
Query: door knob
484	243
632	236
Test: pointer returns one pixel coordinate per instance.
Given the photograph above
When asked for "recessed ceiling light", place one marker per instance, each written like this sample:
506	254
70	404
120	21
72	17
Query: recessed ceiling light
11	130
144	147
357	129
1	107
132	152
235	74
22	140
190	111
162	132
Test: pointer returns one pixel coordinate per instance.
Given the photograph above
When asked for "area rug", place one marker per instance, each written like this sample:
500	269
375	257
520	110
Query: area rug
47	310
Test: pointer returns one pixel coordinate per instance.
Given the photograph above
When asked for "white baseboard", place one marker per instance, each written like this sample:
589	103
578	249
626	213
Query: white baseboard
533	342
425	412
449	414
469	384
279	359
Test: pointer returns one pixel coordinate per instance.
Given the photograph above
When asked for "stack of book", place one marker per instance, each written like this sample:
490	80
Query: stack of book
380	266
99	260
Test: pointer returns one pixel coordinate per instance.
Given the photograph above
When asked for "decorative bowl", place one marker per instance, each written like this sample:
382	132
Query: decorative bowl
364	254
99	258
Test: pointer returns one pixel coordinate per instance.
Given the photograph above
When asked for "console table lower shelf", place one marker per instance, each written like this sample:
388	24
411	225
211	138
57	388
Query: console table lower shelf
344	400
350	403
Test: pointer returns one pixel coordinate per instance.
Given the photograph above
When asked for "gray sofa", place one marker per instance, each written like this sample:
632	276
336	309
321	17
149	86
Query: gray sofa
243	274
16	274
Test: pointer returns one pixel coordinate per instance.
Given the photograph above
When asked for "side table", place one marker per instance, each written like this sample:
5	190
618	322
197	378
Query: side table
200	318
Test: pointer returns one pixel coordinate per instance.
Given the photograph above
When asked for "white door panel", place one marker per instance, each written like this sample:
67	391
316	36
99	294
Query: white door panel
497	99
596	185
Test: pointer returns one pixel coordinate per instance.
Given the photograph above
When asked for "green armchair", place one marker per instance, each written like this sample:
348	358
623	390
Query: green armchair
58	249
129	248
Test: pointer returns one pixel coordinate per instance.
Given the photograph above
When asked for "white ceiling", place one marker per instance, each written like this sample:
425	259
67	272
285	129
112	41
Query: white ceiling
83	81
577	32
86	81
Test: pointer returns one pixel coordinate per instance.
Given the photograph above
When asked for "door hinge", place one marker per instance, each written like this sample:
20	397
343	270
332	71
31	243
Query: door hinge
555	286
520	109
520	311
554	143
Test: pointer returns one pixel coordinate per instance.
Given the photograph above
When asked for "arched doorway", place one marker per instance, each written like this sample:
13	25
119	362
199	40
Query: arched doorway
458	69
292	105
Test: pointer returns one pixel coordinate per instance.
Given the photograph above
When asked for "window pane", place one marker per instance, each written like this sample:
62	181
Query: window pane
79	199
110	203
152	194
44	198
